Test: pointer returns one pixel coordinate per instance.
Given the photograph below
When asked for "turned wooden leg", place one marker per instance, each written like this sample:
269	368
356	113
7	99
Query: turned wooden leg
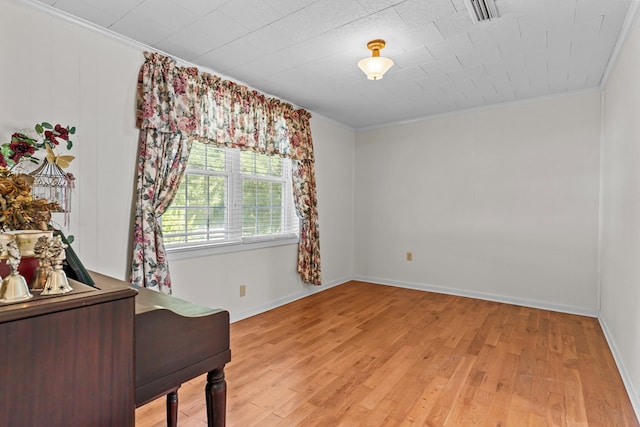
216	395
172	409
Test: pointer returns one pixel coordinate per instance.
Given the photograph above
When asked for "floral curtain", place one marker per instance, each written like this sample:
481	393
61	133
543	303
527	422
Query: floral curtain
204	107
165	106
304	184
161	163
304	194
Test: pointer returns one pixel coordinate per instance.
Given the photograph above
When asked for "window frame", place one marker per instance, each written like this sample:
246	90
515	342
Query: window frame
234	212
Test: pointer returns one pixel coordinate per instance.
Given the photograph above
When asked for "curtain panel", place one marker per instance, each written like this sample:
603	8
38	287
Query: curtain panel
199	106
162	160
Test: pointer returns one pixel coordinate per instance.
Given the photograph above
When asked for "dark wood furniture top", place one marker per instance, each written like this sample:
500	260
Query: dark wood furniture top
68	360
82	295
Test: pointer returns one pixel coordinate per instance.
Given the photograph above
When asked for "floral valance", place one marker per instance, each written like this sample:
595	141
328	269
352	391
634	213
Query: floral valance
177	105
208	108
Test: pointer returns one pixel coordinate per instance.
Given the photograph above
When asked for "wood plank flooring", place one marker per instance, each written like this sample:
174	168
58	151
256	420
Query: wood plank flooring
362	354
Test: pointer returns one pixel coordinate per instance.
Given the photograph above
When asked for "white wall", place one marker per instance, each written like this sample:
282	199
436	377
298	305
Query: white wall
499	203
59	71
56	71
620	247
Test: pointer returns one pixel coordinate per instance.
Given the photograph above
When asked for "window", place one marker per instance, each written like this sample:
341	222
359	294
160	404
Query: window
228	196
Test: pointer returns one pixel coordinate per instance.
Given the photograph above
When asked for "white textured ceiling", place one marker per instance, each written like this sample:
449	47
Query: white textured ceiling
305	51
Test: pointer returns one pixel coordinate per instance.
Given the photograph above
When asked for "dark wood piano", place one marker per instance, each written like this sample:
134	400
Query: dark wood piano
90	357
176	341
68	360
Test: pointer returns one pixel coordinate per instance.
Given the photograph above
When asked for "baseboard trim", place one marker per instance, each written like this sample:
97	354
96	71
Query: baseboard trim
582	311
305	292
310	290
626	378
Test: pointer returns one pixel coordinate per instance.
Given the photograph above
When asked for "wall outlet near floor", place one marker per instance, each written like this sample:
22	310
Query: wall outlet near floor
243	290
409	256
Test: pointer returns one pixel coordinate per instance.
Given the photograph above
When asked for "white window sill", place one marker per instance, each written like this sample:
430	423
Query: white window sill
223	248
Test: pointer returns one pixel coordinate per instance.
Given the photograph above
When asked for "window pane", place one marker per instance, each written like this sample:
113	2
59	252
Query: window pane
218	219
197	190
198	220
276	194
217	191
174	225
268	221
174	239
247	162
264	221
262	212
201	211
207	157
248	221
197	156
276	220
181	196
249	192
276	166
264	193
260	164
216	158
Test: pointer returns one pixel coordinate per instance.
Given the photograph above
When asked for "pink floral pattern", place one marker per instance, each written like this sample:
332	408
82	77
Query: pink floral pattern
307	209
162	158
176	105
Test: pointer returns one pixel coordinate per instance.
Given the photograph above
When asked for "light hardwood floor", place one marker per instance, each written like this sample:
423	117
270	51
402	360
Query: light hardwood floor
362	354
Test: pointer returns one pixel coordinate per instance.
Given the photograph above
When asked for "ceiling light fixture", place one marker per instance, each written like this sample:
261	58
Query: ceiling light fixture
377	65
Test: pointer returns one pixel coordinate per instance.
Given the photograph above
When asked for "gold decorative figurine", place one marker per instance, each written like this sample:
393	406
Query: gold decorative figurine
44	264
14	286
57	282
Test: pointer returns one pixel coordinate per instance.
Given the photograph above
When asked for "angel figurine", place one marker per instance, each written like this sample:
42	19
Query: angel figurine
44	264
14	286
57	282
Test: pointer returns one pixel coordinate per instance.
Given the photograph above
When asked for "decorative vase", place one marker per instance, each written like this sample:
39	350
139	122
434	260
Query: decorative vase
27	240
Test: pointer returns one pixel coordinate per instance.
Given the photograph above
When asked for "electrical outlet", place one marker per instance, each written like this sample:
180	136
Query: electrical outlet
409	256
243	290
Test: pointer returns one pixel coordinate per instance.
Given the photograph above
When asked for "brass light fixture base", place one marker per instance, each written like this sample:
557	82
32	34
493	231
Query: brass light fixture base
375	46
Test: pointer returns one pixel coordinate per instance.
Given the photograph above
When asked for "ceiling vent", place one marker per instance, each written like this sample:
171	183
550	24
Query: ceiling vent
482	10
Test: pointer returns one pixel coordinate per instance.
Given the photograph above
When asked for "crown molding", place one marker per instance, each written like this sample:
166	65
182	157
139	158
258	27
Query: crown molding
629	22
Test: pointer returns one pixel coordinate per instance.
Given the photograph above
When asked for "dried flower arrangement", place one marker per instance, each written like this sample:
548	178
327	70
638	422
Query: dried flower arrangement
18	209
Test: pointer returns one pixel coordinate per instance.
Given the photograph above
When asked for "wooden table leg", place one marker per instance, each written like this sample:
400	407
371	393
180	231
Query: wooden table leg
216	395
172	409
